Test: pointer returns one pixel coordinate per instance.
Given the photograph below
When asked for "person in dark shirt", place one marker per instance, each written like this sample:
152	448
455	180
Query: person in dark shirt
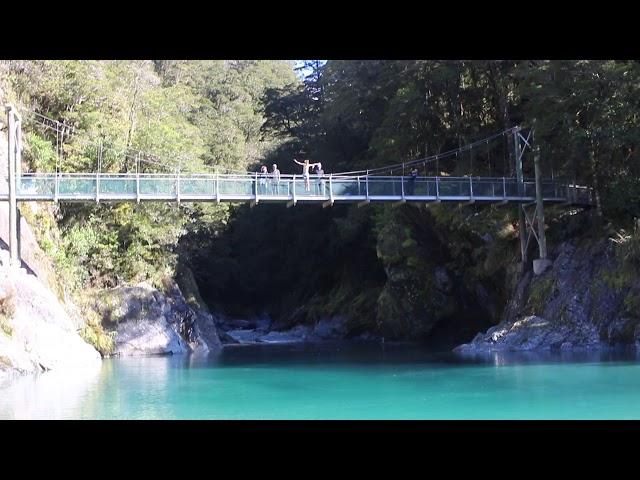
411	183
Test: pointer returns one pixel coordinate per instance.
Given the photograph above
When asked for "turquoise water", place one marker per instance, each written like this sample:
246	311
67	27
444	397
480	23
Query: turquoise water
336	382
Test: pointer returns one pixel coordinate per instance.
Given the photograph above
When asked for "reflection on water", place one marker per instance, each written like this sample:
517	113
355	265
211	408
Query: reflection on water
337	381
53	394
504	358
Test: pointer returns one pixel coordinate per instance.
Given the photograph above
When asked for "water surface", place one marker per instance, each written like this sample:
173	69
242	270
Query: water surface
336	381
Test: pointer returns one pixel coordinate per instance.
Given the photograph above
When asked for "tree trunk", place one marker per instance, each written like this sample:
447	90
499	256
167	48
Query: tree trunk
593	157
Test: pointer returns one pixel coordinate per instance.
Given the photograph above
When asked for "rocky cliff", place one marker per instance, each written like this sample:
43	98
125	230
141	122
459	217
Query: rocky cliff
589	298
36	333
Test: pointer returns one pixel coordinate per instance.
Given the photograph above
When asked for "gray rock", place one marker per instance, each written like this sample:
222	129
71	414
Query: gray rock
300	333
330	328
260	323
572	305
43	336
149	322
531	333
207	332
244	336
148	336
263	323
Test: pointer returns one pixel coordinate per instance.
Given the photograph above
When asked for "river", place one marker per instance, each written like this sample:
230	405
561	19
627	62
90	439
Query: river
336	381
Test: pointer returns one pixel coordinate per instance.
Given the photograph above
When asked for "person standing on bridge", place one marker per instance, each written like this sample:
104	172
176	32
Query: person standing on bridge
411	184
320	173
275	179
305	172
263	179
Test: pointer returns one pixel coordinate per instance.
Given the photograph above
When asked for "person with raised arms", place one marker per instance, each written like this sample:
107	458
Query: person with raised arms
305	172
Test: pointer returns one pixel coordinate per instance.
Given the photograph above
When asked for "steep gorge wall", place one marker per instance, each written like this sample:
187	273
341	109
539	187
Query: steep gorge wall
590	297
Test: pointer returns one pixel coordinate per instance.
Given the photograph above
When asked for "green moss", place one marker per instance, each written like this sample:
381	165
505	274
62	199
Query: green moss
414	262
539	294
189	288
632	303
618	278
94	334
7	310
408	243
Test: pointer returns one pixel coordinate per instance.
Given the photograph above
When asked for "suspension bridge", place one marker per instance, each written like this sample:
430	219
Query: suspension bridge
360	187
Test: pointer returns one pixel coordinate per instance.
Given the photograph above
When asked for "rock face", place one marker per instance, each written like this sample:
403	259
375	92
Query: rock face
588	298
422	292
334	328
256	331
149	322
37	334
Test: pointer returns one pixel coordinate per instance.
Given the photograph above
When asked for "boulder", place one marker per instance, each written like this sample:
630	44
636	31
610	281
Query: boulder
244	336
147	321
148	336
300	333
532	333
333	328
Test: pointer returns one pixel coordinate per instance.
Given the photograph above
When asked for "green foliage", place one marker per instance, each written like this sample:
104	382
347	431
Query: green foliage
628	247
190	115
349	115
7	308
540	293
40	153
94	334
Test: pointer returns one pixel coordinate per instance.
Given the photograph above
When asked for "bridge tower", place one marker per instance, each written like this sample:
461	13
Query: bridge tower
14	161
531	224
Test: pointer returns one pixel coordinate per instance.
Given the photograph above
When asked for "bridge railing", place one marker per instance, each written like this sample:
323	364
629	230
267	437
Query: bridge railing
145	186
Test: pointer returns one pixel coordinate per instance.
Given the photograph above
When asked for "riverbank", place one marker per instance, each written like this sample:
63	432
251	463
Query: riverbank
36	333
588	299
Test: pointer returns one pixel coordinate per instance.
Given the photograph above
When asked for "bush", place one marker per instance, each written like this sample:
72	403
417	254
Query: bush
94	334
621	201
7	308
40	153
628	246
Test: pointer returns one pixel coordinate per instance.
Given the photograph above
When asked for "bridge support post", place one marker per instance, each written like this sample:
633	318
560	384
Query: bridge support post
13	160
542	263
178	186
522	225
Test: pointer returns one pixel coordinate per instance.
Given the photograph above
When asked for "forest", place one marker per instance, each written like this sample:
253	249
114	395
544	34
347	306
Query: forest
304	263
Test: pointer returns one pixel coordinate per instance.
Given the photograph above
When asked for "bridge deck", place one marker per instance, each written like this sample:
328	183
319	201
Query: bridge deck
289	189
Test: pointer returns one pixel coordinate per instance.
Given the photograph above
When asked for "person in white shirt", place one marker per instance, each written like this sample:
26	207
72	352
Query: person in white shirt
321	182
305	172
275	179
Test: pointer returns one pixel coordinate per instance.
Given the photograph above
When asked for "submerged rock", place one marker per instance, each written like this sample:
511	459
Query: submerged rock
300	333
243	336
260	323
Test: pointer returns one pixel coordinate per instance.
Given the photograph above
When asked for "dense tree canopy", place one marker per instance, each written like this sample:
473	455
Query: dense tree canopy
190	115
348	114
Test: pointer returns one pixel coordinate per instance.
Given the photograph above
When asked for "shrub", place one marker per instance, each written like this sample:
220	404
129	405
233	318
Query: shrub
7	308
